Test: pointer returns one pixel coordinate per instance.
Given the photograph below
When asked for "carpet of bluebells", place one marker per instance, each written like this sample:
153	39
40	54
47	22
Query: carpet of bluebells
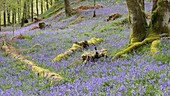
138	73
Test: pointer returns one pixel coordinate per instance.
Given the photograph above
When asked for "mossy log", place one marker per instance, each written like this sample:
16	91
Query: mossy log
93	56
76	46
89	56
41	71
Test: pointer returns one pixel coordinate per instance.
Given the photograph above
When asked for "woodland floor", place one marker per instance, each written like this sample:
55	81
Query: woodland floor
138	73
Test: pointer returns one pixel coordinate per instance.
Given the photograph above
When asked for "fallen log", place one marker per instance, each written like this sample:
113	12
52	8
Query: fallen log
114	16
89	57
93	56
41	71
76	46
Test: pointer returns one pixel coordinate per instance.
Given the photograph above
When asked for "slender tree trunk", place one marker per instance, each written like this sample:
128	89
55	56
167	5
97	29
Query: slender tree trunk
24	14
32	10
13	21
47	4
51	2
4	18
28	9
8	16
137	21
13	17
160	19
19	11
67	8
42	6
37	7
0	21
94	13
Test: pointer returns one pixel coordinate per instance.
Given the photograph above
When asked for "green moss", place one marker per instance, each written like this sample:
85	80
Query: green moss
94	40
76	47
135	45
59	57
154	46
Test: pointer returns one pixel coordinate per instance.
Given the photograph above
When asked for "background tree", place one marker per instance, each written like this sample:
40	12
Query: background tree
42	6
67	7
37	7
0	20
47	4
24	14
4	14
32	10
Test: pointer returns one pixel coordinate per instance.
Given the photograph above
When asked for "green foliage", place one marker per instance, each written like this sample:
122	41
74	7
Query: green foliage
162	55
55	8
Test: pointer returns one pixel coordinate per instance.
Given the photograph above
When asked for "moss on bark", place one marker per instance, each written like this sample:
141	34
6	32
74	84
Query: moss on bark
76	46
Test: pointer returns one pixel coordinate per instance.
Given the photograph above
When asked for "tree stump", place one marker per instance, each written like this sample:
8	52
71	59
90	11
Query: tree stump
42	25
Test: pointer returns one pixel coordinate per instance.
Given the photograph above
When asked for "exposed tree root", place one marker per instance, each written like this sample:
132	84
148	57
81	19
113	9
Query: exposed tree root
41	71
154	45
76	46
153	39
136	45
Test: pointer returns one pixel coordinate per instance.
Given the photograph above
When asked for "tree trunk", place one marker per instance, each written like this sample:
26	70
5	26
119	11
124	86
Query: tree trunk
32	10
51	2
8	16
94	13
67	8
42	6
142	4
4	18
13	16
47	4
0	21
137	21
37	7
19	11
24	15
160	19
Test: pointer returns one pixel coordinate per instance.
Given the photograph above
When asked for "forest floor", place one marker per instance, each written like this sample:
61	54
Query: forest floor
138	73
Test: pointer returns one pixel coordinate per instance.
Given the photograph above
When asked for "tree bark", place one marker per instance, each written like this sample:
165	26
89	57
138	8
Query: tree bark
137	21
154	4
42	6
8	16
51	1
4	18
24	15
47	4
32	10
0	21
67	7
160	19
19	11
37	8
